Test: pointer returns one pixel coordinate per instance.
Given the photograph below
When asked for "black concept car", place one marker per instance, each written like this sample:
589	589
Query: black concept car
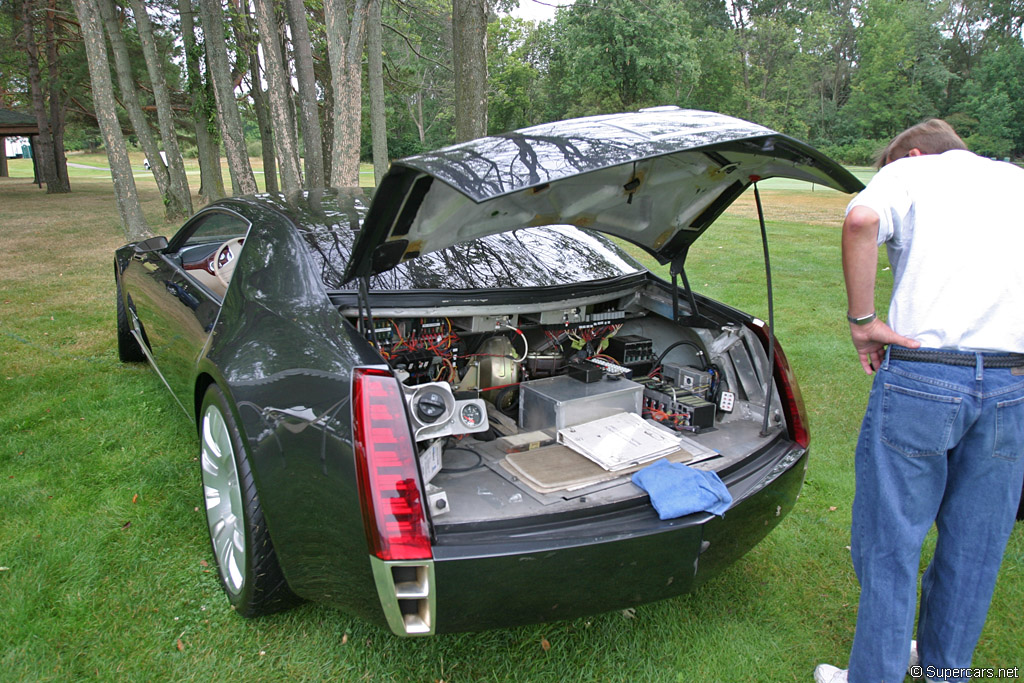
418	407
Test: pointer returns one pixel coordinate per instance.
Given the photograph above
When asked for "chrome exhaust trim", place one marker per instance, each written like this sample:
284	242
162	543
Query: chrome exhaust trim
407	595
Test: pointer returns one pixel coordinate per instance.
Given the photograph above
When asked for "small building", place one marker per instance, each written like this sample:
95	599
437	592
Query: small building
14	147
17	125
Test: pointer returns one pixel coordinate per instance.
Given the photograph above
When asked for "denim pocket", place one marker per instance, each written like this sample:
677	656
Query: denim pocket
916	423
1009	429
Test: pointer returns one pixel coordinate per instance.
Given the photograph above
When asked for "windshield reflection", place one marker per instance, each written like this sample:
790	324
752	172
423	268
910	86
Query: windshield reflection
531	257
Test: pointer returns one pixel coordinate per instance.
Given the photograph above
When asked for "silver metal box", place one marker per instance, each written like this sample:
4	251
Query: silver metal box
556	402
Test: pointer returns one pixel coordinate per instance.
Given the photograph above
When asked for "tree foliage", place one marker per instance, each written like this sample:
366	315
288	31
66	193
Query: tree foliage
615	55
843	74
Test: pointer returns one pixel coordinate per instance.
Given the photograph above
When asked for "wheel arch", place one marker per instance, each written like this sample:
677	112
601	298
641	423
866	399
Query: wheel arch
203	382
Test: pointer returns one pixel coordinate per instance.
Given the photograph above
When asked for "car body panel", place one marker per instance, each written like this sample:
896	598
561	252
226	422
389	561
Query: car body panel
592	575
498	583
179	315
748	522
656	178
286	355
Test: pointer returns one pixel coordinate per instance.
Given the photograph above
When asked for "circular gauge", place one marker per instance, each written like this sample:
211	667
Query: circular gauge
471	415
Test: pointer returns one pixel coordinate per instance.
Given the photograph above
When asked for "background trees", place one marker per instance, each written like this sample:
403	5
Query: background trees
295	81
616	55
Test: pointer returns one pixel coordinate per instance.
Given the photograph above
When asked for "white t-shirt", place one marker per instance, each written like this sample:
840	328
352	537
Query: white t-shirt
953	225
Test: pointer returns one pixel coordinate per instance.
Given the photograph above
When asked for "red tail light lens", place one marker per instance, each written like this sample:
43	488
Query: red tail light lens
785	380
389	491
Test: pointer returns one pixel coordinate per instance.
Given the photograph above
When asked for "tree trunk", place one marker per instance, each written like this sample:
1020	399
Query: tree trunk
278	89
245	37
375	77
130	101
415	106
311	132
469	57
211	170
165	117
211	179
242	179
125	193
259	104
327	126
345	41
46	160
60	161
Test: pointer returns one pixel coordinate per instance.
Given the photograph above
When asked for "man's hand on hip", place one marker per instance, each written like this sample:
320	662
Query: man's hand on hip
870	341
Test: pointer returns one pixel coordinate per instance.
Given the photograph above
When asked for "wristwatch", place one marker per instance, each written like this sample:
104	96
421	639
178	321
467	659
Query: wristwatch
863	320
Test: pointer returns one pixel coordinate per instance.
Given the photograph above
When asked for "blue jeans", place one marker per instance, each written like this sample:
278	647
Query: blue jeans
943	444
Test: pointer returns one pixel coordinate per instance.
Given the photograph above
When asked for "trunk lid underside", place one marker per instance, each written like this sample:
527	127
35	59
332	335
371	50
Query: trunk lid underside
657	178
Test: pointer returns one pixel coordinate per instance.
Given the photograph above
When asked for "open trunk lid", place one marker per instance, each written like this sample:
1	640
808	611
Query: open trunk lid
657	178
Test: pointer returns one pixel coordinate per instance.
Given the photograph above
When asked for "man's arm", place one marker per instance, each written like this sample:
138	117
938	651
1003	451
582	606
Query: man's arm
860	266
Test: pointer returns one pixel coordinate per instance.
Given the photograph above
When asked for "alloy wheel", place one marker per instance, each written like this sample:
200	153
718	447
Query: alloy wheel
223	498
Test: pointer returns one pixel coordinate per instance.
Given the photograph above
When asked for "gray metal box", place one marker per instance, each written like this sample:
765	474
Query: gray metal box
556	402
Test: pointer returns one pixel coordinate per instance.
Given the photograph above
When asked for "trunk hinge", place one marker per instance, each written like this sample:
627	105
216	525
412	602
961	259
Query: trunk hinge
677	269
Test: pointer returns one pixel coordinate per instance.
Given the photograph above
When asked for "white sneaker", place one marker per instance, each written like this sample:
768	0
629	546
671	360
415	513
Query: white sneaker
826	673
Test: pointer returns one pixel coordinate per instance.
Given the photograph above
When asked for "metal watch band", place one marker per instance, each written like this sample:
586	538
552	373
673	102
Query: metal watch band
864	320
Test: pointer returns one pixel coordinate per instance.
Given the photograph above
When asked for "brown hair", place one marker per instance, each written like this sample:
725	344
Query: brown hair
933	136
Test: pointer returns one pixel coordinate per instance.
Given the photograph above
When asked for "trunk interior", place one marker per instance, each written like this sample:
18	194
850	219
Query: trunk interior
496	390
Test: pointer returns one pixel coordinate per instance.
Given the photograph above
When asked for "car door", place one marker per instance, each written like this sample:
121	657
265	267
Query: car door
177	300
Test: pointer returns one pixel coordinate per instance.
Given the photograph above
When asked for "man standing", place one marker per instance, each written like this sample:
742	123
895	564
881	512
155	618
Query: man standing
943	435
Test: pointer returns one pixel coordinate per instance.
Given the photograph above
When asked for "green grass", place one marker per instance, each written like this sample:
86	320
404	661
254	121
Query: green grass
106	564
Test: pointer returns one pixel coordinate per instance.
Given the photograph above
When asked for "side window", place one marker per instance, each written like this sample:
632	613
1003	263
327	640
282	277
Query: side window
217	227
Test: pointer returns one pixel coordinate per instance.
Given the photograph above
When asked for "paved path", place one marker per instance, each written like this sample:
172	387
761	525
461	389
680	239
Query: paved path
91	168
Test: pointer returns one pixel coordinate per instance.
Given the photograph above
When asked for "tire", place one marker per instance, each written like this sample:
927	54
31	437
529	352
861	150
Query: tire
249	571
128	349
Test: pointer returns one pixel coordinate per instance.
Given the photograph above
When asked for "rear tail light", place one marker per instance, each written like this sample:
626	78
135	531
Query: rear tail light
792	401
389	490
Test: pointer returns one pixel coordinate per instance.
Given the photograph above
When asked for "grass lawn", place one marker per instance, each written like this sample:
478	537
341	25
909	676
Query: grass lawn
105	567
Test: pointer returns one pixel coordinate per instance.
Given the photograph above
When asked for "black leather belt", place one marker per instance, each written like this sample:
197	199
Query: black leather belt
989	360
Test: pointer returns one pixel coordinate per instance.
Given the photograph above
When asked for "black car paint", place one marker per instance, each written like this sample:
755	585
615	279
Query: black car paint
284	354
279	342
287	346
488	580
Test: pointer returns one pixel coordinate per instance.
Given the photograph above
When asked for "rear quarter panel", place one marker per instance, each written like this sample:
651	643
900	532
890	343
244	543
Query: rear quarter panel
285	355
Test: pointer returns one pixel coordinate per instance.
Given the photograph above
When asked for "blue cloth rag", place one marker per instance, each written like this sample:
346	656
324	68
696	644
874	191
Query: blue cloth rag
678	490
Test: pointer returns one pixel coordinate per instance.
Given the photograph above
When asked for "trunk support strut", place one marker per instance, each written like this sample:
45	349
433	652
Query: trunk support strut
366	325
676	270
771	311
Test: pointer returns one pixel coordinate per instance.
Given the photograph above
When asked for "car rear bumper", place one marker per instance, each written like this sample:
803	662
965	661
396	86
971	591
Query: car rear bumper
479	581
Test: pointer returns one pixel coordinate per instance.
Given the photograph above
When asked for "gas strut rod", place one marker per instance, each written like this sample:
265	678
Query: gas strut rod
677	269
366	325
771	310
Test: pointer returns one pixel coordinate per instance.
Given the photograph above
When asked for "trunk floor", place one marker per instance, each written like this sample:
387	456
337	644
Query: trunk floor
482	487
